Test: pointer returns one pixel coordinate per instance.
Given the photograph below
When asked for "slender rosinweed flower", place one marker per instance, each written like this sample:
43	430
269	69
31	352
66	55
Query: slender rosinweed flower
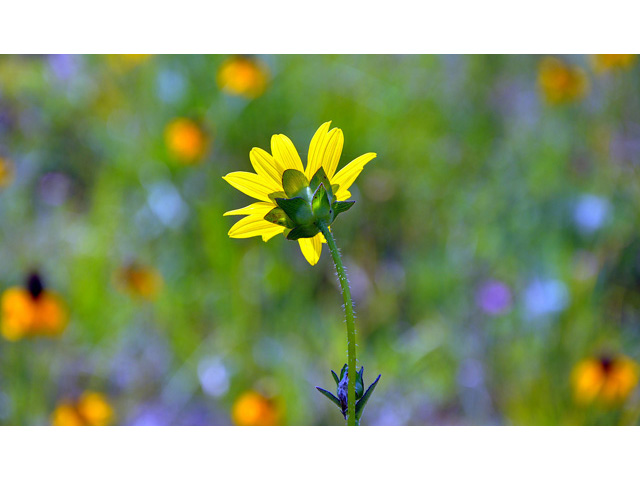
254	409
91	409
294	199
560	82
186	141
31	311
243	76
605	380
140	281
6	172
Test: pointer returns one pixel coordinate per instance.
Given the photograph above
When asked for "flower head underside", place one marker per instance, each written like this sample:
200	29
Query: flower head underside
294	198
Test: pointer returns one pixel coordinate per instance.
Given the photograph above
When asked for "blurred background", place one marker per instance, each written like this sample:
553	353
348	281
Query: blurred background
493	251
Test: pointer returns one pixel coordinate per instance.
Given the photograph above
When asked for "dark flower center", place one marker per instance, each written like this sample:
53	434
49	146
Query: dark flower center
35	285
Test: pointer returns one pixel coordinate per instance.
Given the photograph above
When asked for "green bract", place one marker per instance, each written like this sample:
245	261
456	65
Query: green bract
340	400
304	204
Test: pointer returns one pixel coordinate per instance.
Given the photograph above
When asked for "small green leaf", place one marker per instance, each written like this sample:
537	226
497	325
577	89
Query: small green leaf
340	207
294	181
343	371
274	195
360	404
297	209
278	217
335	377
330	396
360	383
303	231
320	204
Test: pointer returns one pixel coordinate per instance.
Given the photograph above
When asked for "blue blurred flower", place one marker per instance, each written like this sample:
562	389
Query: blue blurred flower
63	67
591	212
543	297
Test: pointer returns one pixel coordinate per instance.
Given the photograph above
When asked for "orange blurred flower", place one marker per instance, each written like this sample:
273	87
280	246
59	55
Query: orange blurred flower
185	140
606	380
253	409
140	280
606	62
31	311
6	172
244	76
91	409
561	83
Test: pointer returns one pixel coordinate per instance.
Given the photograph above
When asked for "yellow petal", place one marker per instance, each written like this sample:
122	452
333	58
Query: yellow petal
254	225
269	234
345	177
258	208
331	155
314	159
250	184
267	167
311	248
285	153
342	195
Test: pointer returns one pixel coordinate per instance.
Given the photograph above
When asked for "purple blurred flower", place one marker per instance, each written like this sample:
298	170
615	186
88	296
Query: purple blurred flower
63	67
494	297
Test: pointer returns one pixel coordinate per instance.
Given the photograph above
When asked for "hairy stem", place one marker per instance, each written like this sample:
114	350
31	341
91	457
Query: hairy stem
351	322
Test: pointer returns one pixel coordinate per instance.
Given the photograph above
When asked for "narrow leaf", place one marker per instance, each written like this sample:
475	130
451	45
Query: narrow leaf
335	377
363	401
330	396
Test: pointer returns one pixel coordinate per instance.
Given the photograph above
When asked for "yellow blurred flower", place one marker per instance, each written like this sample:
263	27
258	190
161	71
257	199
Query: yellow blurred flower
126	62
253	409
560	82
243	76
31	311
91	409
186	140
6	172
140	280
606	62
267	185
605	380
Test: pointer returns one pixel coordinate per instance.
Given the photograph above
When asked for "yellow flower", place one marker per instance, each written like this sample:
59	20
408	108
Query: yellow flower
267	184
253	409
607	62
606	380
31	311
6	172
185	140
243	76
561	83
139	280
91	409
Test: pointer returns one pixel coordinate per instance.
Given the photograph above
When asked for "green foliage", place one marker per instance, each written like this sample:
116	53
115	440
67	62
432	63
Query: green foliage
477	180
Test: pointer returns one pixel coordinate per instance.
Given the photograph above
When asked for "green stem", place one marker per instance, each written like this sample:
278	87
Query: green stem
351	323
